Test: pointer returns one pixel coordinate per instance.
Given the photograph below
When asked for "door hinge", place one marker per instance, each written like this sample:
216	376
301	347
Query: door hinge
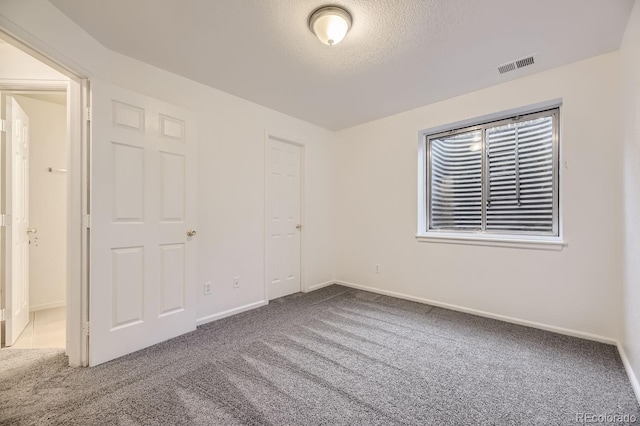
86	221
5	220
2	314
3	125
87	113
86	329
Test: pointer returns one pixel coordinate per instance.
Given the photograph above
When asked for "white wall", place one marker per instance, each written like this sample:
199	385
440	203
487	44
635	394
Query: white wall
577	288
17	65
47	202
231	135
630	65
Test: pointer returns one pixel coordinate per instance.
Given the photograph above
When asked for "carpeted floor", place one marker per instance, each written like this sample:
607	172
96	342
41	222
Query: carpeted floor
336	356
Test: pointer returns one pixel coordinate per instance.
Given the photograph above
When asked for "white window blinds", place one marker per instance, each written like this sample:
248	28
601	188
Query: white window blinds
499	177
456	182
520	172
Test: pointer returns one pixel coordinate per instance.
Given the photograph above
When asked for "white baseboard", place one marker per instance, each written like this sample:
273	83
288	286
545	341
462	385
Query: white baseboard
632	376
321	285
234	311
43	306
533	324
228	313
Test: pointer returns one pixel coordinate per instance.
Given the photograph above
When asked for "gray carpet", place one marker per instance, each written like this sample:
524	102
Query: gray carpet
336	356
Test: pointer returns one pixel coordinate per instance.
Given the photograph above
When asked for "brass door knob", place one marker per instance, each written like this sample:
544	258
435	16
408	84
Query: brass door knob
298	226
32	230
191	233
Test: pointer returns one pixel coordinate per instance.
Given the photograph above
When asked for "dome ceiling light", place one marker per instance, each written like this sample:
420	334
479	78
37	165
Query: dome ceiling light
330	24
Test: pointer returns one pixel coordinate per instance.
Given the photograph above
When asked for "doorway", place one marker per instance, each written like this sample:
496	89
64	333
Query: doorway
43	291
283	251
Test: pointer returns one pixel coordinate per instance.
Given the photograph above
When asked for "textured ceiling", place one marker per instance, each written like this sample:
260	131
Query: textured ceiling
399	54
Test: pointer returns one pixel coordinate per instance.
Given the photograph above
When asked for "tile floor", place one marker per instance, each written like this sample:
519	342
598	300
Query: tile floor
46	329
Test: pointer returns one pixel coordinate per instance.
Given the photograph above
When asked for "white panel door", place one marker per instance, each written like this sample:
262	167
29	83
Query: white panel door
16	181
143	189
283	219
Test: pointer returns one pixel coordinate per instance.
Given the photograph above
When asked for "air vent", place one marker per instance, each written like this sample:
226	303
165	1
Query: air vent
517	64
525	62
507	67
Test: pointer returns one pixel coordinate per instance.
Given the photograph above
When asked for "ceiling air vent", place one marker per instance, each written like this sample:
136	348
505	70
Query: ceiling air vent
525	62
517	64
507	67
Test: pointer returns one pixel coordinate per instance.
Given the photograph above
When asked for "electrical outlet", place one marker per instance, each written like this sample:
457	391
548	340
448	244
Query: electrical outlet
208	288
377	268
236	282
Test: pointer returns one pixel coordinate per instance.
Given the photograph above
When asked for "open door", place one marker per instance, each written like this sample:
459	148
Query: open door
142	250
15	144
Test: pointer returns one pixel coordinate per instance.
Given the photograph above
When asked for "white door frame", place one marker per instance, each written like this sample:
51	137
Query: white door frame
268	134
77	180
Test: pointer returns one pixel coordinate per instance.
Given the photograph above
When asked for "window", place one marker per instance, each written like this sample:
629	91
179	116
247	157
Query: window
494	179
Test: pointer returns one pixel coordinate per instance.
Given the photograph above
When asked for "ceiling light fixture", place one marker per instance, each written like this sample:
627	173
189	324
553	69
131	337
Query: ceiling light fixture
330	24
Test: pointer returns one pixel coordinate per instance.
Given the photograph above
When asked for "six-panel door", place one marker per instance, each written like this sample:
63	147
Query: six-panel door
283	218
143	187
16	182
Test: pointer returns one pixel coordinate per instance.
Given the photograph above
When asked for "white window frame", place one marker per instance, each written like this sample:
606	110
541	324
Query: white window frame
511	239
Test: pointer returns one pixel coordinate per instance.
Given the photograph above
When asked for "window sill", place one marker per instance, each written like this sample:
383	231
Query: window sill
555	244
